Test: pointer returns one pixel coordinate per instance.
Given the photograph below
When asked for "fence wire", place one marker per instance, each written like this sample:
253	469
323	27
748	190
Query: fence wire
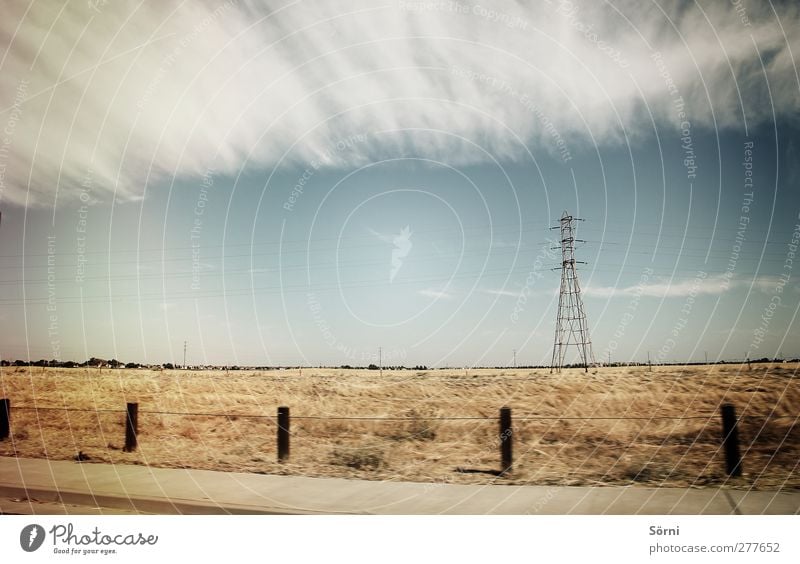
523	417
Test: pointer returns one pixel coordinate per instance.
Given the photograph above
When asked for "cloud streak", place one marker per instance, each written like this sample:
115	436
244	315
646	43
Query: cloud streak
710	285
504	293
132	96
437	294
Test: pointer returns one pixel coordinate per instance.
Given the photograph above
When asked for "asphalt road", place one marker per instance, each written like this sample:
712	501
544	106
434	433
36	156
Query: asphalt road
34	486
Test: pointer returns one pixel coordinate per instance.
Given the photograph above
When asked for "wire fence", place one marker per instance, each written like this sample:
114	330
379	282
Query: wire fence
523	417
548	448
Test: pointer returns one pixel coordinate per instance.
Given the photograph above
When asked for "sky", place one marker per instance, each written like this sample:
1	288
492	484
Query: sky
310	183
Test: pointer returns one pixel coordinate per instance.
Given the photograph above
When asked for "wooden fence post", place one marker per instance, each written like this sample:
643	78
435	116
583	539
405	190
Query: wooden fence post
730	441
283	433
506	457
131	427
5	418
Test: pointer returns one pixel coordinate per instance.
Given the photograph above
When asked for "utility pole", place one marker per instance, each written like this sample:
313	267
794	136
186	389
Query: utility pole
649	366
706	357
380	361
515	358
571	326
184	355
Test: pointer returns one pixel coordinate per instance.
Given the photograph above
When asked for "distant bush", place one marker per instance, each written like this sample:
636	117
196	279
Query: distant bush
417	428
367	457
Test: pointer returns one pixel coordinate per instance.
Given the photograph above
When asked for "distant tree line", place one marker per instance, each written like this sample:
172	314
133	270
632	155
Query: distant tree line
95	362
91	363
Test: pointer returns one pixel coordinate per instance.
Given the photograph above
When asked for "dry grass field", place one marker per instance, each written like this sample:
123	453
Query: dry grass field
615	426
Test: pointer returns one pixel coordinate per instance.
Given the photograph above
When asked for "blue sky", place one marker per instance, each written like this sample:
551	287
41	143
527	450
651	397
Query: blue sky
255	214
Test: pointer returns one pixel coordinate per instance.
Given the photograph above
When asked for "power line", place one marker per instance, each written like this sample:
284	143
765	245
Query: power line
680	251
340	265
496	228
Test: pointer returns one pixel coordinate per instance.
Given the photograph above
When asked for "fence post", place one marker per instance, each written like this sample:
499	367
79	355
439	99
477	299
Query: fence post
5	418
283	433
131	427
730	441
506	458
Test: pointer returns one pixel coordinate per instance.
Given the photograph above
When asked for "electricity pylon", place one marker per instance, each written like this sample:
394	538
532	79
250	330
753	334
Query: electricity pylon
571	326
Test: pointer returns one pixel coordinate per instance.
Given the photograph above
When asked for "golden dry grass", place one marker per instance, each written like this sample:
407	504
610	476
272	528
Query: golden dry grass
601	428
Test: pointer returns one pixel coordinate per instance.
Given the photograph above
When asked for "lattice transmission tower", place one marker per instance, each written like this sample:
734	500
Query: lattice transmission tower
571	327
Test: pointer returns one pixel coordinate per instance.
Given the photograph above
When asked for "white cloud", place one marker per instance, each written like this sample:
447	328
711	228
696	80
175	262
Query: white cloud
711	285
438	294
380	236
504	293
765	284
123	96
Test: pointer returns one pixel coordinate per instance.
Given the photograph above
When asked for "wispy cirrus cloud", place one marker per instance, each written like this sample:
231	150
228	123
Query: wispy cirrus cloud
437	294
128	96
711	285
504	293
